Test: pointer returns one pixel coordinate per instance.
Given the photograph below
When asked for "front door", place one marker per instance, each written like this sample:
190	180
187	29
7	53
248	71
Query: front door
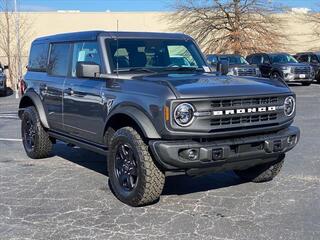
83	106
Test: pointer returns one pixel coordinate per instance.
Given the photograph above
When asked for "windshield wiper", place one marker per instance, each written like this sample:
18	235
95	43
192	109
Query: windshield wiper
134	69
183	69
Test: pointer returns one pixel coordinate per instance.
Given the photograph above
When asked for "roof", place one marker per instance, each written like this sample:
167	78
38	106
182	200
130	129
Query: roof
315	52
93	35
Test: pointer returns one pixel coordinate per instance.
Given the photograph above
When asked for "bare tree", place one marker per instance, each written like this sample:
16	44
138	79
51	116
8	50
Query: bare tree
8	38
229	26
313	18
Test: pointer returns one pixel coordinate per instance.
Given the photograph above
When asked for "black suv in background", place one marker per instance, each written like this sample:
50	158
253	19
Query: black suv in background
124	95
238	65
313	58
282	66
3	80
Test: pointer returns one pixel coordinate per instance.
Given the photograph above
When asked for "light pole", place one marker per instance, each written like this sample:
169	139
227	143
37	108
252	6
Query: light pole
17	18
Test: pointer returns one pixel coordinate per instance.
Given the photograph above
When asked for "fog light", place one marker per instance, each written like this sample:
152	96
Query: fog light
190	154
291	140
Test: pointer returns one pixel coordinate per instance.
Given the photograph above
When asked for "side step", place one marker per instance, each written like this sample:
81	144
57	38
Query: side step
82	144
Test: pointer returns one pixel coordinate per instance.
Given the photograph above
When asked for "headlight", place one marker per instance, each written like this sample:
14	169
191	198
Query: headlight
232	71
285	68
289	106
184	114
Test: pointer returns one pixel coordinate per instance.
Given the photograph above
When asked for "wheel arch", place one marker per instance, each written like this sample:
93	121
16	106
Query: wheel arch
132	116
31	98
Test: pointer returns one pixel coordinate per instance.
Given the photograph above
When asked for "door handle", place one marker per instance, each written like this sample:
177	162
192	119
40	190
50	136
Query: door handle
69	91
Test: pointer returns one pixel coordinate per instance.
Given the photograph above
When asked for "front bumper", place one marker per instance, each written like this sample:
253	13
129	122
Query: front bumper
298	78
226	154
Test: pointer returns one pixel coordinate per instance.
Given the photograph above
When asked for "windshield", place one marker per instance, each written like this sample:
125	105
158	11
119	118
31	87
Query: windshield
283	58
154	54
234	59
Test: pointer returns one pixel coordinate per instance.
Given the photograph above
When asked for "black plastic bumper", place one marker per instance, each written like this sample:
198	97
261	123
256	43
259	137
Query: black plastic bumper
226	154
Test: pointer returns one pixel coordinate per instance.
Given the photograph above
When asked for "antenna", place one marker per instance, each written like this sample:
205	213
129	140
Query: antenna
117	39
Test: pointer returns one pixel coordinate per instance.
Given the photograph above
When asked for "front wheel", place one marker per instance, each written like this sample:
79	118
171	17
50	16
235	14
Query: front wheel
133	175
262	173
306	83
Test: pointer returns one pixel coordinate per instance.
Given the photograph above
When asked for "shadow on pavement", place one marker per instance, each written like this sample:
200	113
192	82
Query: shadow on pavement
82	157
183	184
175	184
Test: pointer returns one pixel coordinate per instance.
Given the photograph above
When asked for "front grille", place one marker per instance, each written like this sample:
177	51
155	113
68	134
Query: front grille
246	119
246	72
243	119
302	70
246	102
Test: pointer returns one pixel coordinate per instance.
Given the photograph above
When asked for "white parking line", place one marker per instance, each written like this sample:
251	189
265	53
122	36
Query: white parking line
11	139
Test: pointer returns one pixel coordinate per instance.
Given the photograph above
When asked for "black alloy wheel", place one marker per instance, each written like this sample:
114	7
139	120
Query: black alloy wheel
28	133
126	167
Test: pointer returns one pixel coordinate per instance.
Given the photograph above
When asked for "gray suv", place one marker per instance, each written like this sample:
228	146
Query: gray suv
282	66
237	65
125	95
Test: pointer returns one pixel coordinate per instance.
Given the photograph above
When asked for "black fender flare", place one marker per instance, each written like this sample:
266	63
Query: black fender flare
37	103
139	117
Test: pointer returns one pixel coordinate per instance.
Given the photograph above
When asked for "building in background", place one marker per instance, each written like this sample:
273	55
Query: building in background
48	23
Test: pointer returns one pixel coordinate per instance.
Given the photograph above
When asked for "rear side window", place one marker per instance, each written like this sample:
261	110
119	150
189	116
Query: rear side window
38	58
59	59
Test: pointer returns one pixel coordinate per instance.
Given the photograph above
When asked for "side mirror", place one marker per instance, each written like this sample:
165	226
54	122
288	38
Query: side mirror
223	67
88	70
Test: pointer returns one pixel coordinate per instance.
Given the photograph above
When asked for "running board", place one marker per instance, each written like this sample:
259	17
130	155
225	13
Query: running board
82	144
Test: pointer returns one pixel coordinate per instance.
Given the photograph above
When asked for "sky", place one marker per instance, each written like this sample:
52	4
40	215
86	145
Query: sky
126	5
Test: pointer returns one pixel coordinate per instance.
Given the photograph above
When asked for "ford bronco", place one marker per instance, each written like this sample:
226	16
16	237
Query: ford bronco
125	95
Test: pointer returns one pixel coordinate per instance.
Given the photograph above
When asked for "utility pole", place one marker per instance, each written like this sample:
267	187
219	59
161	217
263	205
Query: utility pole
17	18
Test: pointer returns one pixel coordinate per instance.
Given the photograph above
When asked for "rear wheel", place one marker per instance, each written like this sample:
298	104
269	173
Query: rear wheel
36	140
133	175
262	173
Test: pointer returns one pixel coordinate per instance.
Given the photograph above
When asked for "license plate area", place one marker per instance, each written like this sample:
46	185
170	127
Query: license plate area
302	76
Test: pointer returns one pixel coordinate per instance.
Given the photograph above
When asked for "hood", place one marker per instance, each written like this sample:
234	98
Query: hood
291	65
206	85
245	66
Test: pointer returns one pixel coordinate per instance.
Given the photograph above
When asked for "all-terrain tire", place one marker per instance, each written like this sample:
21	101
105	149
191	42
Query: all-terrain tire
151	179
42	145
261	173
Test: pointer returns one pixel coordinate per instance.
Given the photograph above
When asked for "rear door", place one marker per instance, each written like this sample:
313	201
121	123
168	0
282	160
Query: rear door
83	111
52	87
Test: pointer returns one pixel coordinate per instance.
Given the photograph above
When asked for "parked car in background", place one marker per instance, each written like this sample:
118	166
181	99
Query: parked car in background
313	58
282	66
238	65
3	80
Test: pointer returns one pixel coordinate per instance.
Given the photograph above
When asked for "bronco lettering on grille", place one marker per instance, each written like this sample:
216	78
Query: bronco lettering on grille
244	110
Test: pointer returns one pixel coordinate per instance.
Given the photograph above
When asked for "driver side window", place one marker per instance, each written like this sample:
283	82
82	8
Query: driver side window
84	52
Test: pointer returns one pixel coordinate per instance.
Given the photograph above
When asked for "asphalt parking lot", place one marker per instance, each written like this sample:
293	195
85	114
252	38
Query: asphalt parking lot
67	196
